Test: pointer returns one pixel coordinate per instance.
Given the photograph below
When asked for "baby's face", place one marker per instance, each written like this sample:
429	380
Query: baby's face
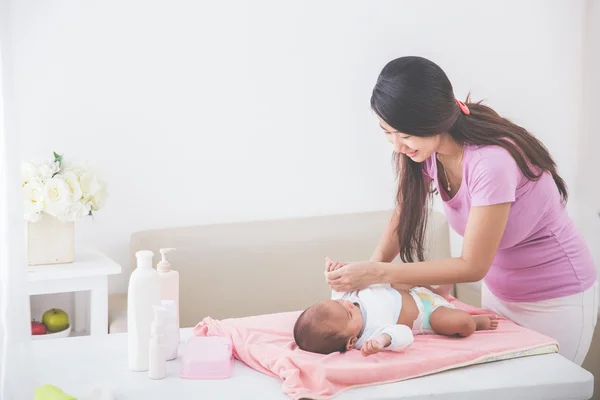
347	317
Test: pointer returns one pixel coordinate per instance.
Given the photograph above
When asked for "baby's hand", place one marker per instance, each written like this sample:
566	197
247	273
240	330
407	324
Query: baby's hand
375	345
332	265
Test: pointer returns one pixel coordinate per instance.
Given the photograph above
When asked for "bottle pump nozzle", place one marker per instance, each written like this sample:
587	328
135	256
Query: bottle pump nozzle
164	265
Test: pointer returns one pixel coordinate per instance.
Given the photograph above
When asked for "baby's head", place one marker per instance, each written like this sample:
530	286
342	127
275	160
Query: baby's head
328	326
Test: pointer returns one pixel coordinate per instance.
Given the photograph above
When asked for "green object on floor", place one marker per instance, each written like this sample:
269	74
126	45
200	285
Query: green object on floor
51	392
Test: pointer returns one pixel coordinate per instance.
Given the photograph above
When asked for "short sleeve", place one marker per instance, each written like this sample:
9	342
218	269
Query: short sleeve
401	335
494	177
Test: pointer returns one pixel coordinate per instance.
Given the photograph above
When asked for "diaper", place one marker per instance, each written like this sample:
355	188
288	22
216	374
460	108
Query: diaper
427	302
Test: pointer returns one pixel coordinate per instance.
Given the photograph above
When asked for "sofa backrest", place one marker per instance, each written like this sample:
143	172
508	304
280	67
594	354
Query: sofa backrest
260	267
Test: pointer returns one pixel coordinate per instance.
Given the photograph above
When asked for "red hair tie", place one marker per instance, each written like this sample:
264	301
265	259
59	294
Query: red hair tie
463	107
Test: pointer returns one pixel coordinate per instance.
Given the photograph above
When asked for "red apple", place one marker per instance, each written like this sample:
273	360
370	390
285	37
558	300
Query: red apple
37	328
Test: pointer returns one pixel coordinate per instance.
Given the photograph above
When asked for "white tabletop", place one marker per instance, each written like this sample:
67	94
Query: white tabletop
77	365
88	262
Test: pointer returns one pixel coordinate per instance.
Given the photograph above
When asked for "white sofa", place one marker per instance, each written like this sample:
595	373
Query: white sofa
259	267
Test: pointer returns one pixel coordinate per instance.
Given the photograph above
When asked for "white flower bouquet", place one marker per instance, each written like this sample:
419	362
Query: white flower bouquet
68	191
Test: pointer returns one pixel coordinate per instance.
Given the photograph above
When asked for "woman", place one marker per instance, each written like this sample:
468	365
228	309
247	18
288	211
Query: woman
501	192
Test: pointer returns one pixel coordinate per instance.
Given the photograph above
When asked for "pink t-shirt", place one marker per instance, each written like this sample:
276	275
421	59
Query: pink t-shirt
541	254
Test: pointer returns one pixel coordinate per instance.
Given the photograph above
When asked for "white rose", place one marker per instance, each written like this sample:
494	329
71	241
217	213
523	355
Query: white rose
93	189
57	197
99	198
76	167
77	211
48	169
89	184
71	179
33	194
29	171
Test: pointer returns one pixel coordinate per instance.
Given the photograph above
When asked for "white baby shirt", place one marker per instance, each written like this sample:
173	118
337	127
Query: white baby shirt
380	306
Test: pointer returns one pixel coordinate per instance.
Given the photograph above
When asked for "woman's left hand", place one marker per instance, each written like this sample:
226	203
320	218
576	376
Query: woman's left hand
352	276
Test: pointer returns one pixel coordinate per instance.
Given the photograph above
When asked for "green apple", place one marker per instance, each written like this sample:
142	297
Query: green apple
56	320
50	392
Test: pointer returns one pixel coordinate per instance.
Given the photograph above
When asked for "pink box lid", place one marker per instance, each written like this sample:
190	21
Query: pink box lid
207	357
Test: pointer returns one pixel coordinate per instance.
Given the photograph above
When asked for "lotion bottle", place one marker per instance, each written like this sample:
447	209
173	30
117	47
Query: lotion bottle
142	295
169	282
171	332
157	355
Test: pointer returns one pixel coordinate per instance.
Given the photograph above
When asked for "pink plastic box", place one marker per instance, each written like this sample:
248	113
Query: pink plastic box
207	357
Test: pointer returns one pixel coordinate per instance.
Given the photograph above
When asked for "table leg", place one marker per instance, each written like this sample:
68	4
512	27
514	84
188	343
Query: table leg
99	307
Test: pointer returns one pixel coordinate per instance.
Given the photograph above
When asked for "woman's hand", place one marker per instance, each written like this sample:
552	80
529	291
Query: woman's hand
353	276
332	265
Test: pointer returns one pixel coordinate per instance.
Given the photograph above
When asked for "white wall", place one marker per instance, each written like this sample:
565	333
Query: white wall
200	112
587	179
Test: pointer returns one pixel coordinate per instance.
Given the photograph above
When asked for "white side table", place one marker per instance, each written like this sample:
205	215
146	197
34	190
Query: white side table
89	272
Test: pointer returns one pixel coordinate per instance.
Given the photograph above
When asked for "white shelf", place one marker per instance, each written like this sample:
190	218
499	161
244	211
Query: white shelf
87	263
88	273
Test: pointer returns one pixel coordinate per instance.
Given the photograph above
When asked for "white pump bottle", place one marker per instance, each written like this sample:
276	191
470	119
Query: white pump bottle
169	282
157	353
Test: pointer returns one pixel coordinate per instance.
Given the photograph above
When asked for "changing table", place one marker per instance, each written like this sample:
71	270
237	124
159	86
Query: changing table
79	364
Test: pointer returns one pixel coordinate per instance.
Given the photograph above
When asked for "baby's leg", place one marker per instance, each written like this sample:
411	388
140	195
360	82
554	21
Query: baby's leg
451	322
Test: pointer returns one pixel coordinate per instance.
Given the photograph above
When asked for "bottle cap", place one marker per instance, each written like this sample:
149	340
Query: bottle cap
144	258
163	264
159	319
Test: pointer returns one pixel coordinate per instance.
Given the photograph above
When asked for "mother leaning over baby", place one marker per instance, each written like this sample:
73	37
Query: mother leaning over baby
500	190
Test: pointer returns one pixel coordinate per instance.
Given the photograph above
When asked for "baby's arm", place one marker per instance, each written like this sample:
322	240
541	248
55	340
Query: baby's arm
388	337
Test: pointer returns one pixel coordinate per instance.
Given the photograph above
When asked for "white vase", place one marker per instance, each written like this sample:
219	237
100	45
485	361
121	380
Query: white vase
50	241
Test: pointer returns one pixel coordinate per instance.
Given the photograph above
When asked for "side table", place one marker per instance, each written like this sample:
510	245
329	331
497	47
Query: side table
89	272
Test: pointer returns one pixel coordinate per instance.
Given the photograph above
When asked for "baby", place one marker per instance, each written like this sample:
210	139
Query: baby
381	317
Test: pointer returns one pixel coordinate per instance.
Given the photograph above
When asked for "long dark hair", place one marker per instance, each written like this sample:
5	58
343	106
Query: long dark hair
414	96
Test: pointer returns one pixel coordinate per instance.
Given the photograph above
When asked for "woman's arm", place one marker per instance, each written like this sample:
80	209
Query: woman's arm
484	230
388	247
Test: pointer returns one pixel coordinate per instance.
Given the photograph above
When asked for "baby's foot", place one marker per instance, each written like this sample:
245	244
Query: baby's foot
485	322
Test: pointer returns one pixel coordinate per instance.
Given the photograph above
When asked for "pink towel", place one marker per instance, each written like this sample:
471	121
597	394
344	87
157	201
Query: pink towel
266	344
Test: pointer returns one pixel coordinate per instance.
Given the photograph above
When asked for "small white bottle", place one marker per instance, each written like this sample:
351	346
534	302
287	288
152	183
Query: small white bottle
169	282
171	331
142	295
156	351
